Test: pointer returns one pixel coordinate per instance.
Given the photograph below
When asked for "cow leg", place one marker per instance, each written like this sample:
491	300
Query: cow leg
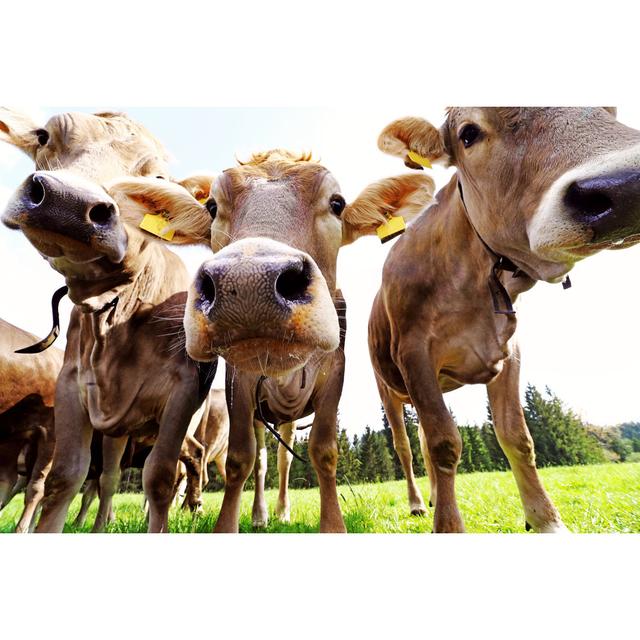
430	470
19	486
439	429
514	438
35	487
112	452
180	485
221	466
260	513
159	472
88	496
71	457
393	408
9	452
242	450
283	506
193	463
323	447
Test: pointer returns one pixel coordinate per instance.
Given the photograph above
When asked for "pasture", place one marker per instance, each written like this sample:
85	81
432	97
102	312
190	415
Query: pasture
592	499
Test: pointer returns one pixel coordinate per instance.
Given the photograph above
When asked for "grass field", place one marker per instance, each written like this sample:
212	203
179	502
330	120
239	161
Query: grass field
591	499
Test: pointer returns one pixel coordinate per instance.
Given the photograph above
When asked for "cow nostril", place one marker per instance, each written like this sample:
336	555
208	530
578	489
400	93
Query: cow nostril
293	282
36	191
587	202
102	213
207	289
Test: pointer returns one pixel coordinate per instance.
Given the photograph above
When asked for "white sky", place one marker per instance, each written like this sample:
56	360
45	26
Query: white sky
580	342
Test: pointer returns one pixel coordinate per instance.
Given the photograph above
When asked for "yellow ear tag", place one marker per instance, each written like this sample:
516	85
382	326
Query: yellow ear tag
394	226
202	200
418	159
156	223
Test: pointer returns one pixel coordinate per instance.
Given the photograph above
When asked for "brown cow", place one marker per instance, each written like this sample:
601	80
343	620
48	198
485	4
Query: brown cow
125	370
268	302
536	190
27	385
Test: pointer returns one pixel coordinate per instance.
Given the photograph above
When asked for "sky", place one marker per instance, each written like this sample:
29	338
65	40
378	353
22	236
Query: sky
582	343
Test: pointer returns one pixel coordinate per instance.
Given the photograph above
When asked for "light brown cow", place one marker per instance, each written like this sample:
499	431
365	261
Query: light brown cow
268	301
125	370
536	190
27	386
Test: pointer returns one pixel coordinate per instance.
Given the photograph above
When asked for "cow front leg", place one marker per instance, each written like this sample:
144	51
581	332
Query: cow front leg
242	447
283	506
323	446
88	496
71	457
393	408
259	512
159	472
514	438
35	487
112	452
443	442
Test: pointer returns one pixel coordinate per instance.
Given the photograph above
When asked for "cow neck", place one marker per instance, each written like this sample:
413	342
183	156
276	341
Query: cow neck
501	263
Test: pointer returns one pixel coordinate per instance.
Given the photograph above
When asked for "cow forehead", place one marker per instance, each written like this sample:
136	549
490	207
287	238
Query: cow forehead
300	176
70	130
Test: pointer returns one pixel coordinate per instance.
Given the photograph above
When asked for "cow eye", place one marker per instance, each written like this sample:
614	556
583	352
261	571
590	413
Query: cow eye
337	203
43	136
212	207
469	134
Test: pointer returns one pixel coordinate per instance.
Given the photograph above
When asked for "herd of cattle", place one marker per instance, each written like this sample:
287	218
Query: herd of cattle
535	190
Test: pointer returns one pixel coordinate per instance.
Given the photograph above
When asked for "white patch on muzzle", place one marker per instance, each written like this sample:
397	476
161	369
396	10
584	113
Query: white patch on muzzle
556	237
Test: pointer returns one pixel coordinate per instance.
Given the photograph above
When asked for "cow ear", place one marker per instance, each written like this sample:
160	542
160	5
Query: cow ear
414	140
19	130
404	196
165	209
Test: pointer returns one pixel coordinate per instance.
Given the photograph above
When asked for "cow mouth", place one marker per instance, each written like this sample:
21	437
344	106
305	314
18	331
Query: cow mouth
267	356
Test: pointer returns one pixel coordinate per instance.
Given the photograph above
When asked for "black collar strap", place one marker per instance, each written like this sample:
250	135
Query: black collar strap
502	263
45	343
266	423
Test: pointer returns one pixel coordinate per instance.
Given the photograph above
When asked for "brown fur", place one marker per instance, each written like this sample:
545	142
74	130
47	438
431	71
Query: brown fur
125	371
27	386
433	327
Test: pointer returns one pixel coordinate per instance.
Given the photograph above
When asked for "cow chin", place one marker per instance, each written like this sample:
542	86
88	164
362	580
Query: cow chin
268	357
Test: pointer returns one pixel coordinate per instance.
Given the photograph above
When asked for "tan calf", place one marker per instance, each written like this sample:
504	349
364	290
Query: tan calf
27	387
125	371
536	189
268	301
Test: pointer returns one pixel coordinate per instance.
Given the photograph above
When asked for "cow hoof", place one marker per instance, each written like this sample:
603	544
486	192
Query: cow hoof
260	522
285	518
527	526
431	504
418	510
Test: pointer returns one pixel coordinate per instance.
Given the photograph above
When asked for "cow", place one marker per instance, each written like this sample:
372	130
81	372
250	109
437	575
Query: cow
535	190
125	370
27	388
268	303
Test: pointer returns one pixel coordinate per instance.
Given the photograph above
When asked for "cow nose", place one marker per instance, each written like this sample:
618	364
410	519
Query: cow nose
288	280
44	193
609	204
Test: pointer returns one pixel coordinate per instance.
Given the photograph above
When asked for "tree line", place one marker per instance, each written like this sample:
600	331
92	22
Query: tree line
560	438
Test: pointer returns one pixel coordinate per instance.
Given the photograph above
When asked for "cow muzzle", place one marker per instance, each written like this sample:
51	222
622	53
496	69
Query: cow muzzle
592	207
64	215
608	205
263	306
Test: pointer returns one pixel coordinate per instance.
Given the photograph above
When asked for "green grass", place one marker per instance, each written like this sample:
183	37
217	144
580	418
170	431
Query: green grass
591	499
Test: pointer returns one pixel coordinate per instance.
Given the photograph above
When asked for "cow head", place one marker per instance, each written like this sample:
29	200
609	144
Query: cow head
265	300
545	187
64	209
